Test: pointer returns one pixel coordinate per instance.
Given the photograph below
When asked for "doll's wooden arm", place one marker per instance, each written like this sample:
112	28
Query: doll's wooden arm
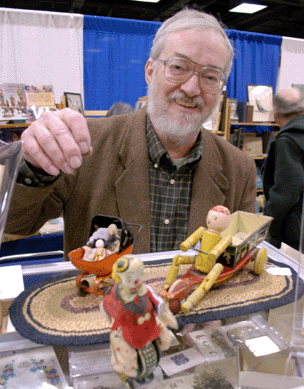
219	248
192	239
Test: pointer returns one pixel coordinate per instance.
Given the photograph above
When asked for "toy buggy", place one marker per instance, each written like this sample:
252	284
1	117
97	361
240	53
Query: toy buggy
101	268
247	231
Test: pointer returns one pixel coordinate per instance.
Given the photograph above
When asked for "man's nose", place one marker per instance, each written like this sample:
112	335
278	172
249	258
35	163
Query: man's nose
192	86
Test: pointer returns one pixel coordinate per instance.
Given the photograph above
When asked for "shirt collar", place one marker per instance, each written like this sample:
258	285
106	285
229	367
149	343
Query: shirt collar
157	151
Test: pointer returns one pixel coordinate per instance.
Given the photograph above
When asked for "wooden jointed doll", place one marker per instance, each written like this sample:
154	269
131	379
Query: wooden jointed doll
212	245
140	318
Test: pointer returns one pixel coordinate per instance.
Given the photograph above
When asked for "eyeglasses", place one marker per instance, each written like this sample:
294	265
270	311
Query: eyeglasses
180	70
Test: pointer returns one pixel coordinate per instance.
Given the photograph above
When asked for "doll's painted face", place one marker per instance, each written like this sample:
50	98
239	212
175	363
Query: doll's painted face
133	276
218	219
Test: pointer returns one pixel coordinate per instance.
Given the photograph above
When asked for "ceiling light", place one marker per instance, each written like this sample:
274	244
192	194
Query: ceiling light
148	1
247	8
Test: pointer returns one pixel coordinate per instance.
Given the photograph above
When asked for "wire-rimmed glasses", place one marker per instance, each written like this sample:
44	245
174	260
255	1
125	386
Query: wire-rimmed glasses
180	70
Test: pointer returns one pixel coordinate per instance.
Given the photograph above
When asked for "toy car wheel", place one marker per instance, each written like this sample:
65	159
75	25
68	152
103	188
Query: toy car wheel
260	261
85	284
174	305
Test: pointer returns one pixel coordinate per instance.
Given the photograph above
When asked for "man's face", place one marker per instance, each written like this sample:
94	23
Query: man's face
178	110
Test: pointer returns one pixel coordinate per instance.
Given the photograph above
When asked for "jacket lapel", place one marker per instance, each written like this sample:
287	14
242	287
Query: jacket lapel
209	185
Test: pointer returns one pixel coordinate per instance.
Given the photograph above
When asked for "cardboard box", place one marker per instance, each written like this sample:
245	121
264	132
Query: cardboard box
4	314
272	371
11	285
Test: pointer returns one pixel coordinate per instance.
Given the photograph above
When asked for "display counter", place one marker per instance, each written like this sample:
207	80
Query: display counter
203	352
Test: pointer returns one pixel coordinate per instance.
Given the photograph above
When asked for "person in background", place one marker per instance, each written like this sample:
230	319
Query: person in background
283	170
157	167
16	136
119	108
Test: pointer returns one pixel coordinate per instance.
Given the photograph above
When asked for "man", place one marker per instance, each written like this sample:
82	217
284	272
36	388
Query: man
283	172
160	169
119	108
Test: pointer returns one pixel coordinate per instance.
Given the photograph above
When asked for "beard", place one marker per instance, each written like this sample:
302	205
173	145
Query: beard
175	127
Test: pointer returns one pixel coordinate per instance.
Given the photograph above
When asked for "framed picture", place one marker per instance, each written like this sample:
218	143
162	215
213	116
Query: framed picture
74	101
213	121
261	97
234	117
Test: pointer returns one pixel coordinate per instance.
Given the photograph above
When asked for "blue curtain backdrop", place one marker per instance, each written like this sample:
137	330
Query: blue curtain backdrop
115	54
256	61
116	51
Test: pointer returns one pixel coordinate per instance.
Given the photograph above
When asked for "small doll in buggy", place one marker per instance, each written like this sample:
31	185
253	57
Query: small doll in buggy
102	243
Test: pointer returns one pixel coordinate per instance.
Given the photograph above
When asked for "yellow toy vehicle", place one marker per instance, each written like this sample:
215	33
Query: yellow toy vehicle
247	230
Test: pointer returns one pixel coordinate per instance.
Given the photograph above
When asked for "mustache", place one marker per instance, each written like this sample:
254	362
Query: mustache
183	99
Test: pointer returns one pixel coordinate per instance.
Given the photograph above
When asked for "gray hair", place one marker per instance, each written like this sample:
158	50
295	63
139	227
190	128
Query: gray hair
187	19
287	105
119	108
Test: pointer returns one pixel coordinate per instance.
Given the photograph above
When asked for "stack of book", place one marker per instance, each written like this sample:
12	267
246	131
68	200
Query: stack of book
245	112
22	103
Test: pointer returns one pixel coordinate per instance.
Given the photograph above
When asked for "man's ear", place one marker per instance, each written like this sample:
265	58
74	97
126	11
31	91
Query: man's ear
149	71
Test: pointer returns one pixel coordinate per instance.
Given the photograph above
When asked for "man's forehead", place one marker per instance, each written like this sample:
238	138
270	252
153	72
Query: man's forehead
194	36
201	33
197	42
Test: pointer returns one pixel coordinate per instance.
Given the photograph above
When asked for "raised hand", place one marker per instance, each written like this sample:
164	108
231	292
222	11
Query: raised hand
57	141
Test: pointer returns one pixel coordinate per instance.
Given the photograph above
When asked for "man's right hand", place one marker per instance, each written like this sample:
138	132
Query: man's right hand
57	141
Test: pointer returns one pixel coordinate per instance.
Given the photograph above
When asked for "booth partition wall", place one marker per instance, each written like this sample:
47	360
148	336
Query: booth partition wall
103	58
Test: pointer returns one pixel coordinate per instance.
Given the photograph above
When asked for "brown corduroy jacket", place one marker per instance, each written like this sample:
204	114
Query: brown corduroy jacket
114	181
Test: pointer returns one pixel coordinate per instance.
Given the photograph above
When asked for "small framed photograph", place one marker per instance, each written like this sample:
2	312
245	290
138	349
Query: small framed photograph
74	101
261	97
234	117
213	122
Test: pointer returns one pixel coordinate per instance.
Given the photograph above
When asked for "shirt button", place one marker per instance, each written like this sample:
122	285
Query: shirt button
28	181
172	181
155	165
167	221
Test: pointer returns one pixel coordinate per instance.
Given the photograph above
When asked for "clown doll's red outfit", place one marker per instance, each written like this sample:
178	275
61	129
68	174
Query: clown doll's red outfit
137	317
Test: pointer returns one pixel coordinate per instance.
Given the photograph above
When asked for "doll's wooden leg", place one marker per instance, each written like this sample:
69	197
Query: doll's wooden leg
203	288
174	268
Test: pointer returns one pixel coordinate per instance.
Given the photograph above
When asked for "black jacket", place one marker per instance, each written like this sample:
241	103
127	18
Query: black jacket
283	182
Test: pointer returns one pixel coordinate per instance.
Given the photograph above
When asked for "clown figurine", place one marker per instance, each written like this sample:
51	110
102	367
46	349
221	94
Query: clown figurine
139	322
212	245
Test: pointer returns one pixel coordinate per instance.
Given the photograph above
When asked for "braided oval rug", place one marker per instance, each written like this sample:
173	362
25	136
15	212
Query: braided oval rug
52	312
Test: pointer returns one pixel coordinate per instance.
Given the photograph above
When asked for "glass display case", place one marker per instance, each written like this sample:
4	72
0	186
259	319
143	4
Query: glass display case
228	352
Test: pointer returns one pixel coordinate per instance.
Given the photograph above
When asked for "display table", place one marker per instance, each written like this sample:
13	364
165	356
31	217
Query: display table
44	246
87	365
